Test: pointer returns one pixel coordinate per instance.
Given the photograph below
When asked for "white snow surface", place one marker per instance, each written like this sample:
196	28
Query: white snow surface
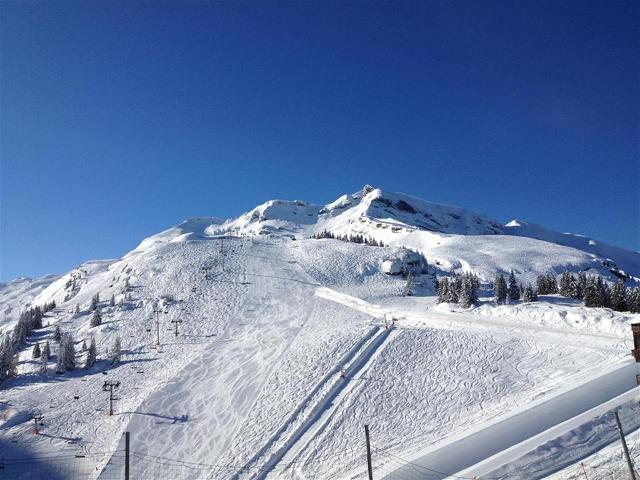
288	345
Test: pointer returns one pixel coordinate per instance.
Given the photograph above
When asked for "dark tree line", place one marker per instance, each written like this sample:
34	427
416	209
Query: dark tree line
596	292
10	342
508	290
460	289
357	238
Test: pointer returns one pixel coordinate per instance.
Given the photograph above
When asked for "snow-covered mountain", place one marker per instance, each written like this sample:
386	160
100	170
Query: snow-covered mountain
447	236
286	347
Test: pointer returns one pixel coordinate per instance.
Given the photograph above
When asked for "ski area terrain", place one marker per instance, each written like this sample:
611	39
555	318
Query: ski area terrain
279	341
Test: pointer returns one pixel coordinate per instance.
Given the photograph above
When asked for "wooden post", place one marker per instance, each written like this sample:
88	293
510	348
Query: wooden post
369	468
625	450
126	455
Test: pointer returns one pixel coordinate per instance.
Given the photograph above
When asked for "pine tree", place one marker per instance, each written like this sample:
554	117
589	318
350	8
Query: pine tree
529	294
634	300
552	284
500	289
83	348
468	295
96	319
46	350
591	293
542	284
116	352
66	354
566	287
44	364
77	310
95	300
91	354
407	290
619	296
36	351
513	289
443	290
60	362
57	335
581	285
112	302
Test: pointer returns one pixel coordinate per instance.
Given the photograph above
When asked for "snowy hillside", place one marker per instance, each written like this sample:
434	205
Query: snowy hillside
252	350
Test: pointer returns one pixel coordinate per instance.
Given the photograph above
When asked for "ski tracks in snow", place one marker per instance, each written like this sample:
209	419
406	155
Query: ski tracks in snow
312	414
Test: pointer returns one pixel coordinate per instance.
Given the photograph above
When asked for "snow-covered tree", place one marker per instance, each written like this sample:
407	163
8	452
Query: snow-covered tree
634	300
96	318
529	294
407	290
592	295
76	311
116	352
567	284
57	335
112	302
66	354
8	358
619	296
468	295
46	350
500	289
36	353
513	289
92	354
95	300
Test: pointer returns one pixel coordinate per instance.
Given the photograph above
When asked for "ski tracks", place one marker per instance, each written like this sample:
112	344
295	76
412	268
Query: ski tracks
313	412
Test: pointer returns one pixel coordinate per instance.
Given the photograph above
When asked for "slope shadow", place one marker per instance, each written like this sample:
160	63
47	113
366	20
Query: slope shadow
19	463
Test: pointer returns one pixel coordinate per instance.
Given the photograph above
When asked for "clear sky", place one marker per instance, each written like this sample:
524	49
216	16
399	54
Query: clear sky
121	119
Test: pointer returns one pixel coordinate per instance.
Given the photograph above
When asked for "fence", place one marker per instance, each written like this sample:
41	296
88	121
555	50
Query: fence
133	465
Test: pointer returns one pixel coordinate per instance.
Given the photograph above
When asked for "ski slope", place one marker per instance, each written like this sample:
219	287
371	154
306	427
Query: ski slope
288	345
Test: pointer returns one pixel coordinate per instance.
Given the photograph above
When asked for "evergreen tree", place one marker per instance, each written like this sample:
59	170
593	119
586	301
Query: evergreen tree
57	335
581	285
116	352
8	358
566	287
634	300
468	295
46	350
96	319
94	301
542	284
604	292
91	354
36	351
513	289
619	296
83	348
112	302
552	284
529	294
591	293
66	354
443	289
500	289
407	290
77	310
44	364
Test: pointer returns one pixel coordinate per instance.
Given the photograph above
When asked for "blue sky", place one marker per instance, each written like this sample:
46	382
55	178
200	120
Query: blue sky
121	119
